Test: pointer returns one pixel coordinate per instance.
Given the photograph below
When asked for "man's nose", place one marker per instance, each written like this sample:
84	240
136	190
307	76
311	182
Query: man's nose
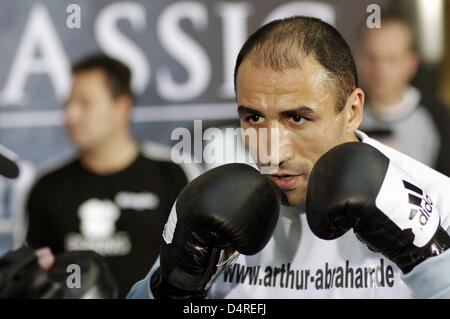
279	148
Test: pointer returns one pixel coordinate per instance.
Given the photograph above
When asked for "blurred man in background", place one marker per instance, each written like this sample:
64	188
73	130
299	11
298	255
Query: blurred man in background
397	113
113	198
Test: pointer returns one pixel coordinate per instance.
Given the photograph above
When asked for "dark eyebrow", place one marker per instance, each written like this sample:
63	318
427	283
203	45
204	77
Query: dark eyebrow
247	110
302	111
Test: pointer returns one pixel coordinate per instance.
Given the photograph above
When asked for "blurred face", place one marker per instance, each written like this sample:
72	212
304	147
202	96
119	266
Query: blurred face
387	63
92	114
300	103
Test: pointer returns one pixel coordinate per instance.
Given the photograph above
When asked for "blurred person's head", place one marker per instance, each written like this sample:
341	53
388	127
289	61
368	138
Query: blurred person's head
98	109
297	75
387	59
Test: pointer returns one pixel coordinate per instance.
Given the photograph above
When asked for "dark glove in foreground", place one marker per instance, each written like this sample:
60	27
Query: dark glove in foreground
355	186
22	277
231	208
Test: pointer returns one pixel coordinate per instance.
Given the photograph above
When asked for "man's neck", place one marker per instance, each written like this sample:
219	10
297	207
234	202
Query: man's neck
352	137
111	157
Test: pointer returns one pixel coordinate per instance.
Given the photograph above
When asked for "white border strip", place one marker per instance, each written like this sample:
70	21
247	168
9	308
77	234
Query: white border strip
141	114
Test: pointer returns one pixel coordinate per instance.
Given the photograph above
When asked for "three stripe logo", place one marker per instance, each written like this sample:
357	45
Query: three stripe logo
415	197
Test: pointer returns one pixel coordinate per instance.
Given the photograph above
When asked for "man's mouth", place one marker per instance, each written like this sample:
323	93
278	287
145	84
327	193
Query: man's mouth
285	182
286	177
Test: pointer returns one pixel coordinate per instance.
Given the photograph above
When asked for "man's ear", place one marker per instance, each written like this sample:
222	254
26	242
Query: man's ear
413	65
353	109
125	103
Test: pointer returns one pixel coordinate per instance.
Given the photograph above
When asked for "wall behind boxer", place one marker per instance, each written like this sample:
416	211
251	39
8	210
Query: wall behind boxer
181	54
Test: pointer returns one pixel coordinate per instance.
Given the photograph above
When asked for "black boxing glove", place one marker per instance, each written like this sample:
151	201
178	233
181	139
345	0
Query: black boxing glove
227	210
95	278
22	277
355	186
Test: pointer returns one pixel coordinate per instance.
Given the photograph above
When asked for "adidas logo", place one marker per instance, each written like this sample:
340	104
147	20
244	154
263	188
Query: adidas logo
415	199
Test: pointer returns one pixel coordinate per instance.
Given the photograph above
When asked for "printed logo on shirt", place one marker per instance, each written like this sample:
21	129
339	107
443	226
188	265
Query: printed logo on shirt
98	230
137	201
326	277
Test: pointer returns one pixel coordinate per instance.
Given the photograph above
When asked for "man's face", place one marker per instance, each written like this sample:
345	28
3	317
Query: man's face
300	103
387	63
92	116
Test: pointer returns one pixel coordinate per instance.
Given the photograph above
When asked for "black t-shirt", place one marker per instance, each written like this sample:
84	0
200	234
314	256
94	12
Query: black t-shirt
120	216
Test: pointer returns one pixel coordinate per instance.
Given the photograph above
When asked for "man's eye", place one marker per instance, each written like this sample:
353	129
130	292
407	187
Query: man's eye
297	119
255	119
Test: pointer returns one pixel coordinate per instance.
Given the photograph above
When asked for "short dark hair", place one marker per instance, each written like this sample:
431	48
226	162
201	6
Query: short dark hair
281	42
117	74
